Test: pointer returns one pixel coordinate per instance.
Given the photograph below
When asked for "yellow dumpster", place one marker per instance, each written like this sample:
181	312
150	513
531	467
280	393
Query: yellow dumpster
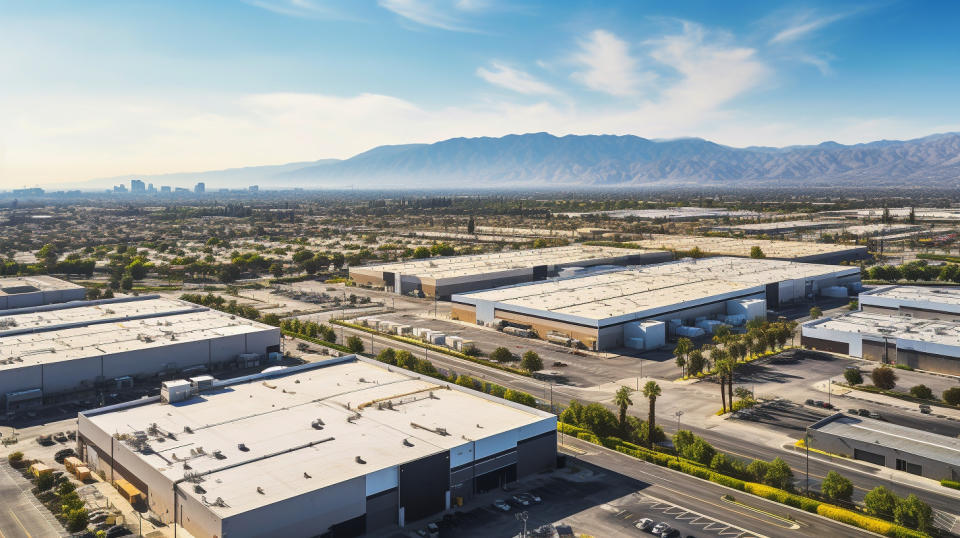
38	469
128	490
72	463
82	473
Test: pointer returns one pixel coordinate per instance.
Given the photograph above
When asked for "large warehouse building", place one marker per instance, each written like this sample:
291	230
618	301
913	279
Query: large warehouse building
610	309
442	277
26	291
920	343
890	445
47	350
798	251
914	301
348	445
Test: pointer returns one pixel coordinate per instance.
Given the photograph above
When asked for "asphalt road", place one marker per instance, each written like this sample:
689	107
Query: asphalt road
706	497
21	515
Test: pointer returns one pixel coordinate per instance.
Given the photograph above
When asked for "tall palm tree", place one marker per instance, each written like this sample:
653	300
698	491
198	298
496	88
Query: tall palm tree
650	391
684	346
622	400
722	363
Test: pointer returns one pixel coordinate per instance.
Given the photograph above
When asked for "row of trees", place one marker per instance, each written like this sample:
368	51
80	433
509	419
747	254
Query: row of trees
604	423
311	329
219	303
884	377
915	270
529	361
728	349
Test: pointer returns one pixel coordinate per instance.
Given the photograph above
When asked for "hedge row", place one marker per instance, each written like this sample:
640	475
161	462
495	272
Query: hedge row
950	483
432	347
830	511
871	524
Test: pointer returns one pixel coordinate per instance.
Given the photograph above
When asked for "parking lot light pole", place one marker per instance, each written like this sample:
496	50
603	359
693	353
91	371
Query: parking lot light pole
806	445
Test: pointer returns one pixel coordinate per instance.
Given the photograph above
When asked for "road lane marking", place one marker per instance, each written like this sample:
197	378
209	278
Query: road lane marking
15	518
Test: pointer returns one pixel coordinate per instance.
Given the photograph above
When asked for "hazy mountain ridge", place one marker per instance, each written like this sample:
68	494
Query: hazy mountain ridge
606	160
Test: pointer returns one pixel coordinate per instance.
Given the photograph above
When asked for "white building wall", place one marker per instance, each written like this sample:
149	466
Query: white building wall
815	330
496	443
928	347
461	455
382	480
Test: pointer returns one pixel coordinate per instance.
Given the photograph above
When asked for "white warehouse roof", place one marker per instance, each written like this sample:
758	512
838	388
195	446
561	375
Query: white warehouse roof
895	327
286	452
23	284
477	264
921	297
732	246
604	298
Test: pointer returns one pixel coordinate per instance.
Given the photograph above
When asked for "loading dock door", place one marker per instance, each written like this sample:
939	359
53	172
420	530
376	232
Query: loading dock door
773	296
496	478
868	456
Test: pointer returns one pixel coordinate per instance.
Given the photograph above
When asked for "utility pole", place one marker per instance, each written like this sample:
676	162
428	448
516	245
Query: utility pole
522	516
806	445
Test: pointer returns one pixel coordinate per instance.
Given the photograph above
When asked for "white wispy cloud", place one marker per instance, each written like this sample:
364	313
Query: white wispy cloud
306	9
608	65
803	25
516	80
433	13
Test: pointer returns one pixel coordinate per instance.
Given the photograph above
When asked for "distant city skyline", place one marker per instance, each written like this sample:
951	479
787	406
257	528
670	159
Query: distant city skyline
111	89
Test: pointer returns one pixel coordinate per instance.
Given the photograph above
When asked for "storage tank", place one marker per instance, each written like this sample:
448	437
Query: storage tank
689	332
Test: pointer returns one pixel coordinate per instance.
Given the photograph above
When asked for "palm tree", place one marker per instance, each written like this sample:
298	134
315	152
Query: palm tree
622	400
650	391
722	364
684	345
721	334
737	350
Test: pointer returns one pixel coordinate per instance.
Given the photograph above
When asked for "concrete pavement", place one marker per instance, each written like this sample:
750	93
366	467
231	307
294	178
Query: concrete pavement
21	514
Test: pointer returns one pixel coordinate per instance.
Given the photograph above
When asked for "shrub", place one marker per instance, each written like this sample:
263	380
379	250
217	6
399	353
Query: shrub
950	484
728	481
45	481
588	437
781	496
883	378
531	362
951	396
76	519
853	376
852	518
757	470
700	451
15	458
501	354
922	392
779	475
355	344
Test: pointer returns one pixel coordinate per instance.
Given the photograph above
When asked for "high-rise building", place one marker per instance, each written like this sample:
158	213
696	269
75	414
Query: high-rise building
165	189
137	186
120	188
254	188
200	188
150	188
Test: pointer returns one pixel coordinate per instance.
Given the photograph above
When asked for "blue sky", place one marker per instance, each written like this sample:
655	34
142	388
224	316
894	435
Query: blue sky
92	89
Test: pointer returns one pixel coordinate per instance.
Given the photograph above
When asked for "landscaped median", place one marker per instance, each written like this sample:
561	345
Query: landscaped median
696	469
950	484
432	347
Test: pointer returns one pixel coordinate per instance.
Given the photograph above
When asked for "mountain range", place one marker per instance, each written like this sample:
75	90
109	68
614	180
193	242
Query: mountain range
544	160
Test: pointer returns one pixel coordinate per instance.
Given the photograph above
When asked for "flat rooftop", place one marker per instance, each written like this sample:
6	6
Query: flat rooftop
455	266
674	213
782	225
732	246
909	440
917	294
33	284
880	325
285	454
92	331
882	229
608	296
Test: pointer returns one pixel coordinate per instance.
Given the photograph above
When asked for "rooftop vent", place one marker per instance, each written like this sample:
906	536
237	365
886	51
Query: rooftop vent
318	424
407	443
242	447
260	490
305	475
360	460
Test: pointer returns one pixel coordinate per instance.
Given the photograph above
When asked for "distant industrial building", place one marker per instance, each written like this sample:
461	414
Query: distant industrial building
26	291
442	277
670	214
777	228
253	188
883	230
797	251
926	344
46	351
641	307
345	446
914	301
890	445
200	188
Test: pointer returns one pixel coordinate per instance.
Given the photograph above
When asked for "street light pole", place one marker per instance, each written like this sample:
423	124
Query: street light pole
806	444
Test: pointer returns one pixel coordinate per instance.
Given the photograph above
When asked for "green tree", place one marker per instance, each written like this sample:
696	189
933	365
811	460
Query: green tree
622	400
779	475
682	439
815	312
501	354
951	396
355	344
853	304
531	362
724	367
921	391
699	451
837	488
48	255
45	481
880	502
913	513
387	355
650	391
421	252
853	376
471	226
683	348
884	378
756	252
276	269
757	470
